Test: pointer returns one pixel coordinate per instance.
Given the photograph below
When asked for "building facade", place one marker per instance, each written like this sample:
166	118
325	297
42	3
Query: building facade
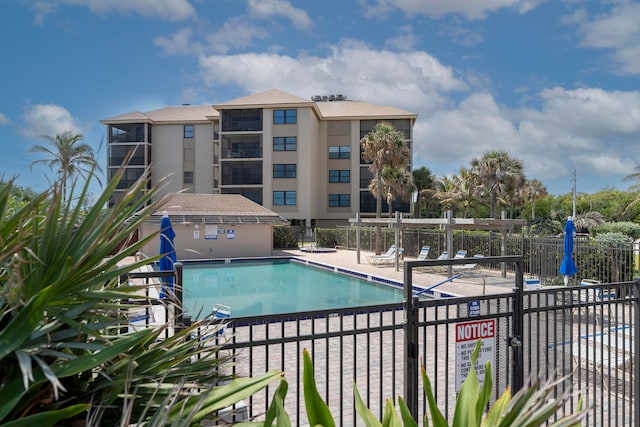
299	158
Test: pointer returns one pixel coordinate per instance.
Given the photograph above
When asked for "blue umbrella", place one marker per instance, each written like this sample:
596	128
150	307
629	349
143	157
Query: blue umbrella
168	251
568	267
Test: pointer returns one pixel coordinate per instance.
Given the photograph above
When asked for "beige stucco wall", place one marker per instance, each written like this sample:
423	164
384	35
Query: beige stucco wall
249	240
168	155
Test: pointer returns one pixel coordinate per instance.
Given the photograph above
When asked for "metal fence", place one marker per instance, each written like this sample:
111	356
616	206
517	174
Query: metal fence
606	262
586	335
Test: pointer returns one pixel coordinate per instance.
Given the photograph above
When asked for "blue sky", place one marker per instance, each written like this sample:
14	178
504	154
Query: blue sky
555	83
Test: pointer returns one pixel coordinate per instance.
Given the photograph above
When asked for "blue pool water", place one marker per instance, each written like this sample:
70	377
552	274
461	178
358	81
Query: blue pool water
276	287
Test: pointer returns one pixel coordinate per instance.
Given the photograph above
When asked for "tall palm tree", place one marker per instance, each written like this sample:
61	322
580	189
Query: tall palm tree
424	182
68	156
495	173
534	189
384	147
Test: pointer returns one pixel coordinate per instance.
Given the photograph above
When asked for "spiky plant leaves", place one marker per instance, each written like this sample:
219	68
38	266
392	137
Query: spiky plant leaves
318	412
365	413
436	416
407	419
390	417
50	418
495	413
62	314
465	413
276	411
222	396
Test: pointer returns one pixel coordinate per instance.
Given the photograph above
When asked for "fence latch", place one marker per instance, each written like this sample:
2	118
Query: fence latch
513	341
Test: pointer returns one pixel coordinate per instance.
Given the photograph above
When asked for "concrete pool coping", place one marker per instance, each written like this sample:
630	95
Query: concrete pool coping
469	285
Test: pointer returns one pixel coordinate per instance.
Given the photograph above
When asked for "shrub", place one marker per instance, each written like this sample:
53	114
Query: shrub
326	237
66	351
630	229
286	236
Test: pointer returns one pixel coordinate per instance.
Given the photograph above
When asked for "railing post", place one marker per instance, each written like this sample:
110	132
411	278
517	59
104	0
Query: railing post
636	366
177	287
411	369
515	341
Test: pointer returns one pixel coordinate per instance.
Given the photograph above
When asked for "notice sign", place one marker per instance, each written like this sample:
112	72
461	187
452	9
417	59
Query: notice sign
467	335
210	232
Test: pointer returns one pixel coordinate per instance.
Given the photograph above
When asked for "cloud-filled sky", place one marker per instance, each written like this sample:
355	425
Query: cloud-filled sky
554	83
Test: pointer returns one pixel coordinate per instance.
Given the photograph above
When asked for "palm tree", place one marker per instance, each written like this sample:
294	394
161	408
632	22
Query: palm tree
634	177
383	147
457	191
424	182
495	173
534	189
398	183
68	156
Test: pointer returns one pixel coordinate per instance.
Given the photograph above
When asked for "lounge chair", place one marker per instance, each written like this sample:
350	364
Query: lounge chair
586	297
220	313
387	258
443	255
424	253
532	284
466	268
460	254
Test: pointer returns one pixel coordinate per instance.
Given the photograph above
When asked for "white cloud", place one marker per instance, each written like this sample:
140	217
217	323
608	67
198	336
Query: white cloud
619	32
48	119
270	8
410	80
236	33
171	10
179	43
470	9
460	33
586	129
404	41
4	120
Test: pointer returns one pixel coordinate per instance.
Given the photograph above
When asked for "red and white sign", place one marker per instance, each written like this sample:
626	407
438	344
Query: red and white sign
467	335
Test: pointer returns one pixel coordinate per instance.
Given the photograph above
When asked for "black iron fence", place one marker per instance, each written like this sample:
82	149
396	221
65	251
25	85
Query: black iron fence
585	334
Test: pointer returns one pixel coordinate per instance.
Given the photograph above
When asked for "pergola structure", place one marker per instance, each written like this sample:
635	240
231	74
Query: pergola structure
448	223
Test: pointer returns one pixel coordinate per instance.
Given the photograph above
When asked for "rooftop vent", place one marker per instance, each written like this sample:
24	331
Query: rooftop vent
328	98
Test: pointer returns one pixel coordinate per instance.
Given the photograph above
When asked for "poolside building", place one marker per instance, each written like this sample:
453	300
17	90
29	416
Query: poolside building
214	226
297	157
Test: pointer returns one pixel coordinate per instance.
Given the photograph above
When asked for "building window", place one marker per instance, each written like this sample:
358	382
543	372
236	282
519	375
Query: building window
284	198
286	170
285	143
340	152
339	200
187	177
282	117
340	175
189	131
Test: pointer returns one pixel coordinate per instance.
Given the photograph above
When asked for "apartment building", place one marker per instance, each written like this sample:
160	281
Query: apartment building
298	157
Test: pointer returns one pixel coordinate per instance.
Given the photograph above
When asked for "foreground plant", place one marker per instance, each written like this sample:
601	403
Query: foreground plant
530	407
67	356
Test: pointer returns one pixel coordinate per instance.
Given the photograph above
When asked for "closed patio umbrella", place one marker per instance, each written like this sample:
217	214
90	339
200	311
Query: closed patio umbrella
168	251
568	267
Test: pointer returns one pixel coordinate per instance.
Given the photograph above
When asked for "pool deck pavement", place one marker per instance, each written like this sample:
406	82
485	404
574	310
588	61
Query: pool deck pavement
469	284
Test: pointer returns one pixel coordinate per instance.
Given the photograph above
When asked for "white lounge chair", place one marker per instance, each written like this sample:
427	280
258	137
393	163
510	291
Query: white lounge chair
387	258
466	268
424	253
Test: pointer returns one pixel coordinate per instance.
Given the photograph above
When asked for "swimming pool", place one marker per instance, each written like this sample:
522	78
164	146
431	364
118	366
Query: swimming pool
277	286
